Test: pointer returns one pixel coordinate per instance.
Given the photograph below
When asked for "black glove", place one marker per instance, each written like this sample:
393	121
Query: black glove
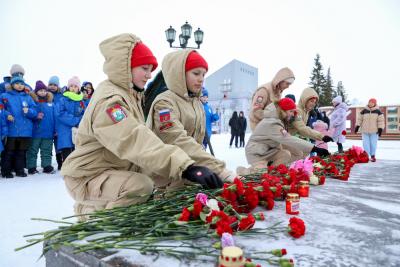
327	139
320	151
356	129
379	131
203	176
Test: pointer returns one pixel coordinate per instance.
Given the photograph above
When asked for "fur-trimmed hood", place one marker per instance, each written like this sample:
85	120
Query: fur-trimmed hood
35	97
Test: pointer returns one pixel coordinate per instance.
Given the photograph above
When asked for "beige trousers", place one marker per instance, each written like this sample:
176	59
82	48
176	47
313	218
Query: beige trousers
110	189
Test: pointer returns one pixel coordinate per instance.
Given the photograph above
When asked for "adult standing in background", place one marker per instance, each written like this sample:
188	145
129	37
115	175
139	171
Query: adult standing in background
242	128
210	115
372	122
268	93
234	124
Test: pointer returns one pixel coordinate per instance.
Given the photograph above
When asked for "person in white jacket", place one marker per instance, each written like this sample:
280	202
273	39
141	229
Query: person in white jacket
338	121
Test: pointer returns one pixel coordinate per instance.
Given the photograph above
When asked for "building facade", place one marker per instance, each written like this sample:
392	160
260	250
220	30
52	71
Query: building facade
230	89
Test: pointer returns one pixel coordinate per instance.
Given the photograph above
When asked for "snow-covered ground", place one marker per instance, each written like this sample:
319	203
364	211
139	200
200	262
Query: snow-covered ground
44	196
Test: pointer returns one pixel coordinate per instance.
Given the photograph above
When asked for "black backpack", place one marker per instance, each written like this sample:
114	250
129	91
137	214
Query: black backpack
156	87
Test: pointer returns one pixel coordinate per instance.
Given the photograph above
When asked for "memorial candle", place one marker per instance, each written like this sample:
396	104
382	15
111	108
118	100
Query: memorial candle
292	203
303	189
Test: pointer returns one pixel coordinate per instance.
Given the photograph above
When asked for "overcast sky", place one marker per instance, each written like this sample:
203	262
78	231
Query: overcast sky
359	40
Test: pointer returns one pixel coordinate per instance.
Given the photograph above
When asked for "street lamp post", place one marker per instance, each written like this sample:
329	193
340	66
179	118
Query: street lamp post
186	29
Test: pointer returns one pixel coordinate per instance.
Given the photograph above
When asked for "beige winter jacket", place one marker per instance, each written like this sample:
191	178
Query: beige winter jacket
299	125
265	95
269	136
178	118
370	119
108	143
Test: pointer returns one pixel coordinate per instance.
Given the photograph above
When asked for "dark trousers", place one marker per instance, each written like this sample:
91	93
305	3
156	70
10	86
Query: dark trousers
65	153
58	153
14	154
236	139
205	143
242	139
340	147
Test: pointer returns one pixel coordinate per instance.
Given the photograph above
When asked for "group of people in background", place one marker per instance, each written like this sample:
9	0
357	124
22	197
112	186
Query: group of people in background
116	147
35	119
238	125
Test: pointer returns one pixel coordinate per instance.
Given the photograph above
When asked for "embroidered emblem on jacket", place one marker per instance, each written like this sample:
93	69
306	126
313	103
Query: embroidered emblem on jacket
166	126
116	113
165	115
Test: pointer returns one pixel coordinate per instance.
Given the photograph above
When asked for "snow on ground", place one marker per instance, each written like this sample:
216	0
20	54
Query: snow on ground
44	196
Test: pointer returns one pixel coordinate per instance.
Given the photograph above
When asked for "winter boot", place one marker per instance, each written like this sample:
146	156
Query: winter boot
32	171
373	159
48	169
21	173
7	175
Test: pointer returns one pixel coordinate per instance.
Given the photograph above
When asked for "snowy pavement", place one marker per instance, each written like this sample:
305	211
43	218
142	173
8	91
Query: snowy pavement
360	219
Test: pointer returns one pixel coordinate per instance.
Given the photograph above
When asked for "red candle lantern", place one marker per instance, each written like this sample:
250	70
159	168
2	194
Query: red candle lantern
303	189
292	203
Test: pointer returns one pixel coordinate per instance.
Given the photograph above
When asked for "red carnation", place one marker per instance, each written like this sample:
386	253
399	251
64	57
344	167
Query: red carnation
321	180
296	227
270	203
185	215
250	198
223	227
344	132
247	222
197	208
239	186
282	169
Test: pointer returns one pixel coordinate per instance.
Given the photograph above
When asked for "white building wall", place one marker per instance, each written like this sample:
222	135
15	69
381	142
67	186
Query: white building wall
236	81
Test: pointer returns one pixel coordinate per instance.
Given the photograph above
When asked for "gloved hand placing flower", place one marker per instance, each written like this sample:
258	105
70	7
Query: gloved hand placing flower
203	176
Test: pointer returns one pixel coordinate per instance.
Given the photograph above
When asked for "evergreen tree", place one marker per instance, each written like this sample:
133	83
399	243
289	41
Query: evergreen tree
317	77
327	92
341	91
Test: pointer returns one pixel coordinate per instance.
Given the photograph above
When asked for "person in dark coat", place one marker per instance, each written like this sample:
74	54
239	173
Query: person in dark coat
242	127
325	118
234	124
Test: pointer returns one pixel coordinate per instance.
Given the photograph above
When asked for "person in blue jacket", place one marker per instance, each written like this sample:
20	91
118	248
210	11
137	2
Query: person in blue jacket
69	112
210	115
87	90
20	110
3	128
5	85
54	88
43	130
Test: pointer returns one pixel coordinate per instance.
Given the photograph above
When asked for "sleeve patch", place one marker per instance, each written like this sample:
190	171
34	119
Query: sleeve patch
116	113
166	126
165	115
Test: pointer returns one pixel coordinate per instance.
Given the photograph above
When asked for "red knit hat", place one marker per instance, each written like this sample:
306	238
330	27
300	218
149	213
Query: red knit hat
142	55
373	100
287	104
195	60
